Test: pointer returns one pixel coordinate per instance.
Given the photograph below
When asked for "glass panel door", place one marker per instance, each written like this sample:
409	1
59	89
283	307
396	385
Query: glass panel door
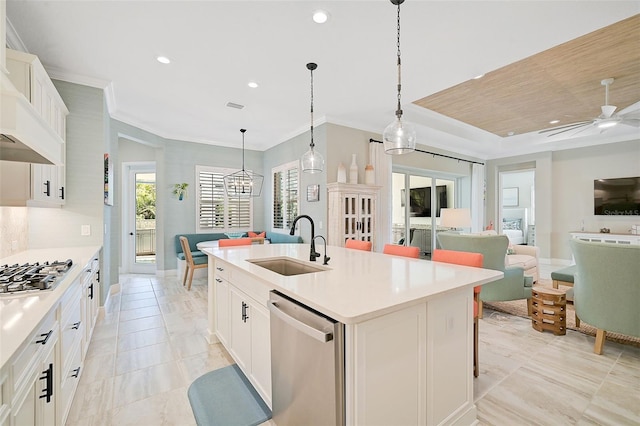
145	230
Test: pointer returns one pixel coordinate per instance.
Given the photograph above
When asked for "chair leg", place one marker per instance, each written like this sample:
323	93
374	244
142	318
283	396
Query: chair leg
191	270
480	309
476	367
529	306
600	335
186	271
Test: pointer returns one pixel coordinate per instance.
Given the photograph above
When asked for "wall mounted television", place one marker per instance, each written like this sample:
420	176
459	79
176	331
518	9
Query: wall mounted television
420	200
616	197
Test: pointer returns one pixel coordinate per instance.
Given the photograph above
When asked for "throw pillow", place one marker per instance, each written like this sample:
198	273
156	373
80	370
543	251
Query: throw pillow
260	235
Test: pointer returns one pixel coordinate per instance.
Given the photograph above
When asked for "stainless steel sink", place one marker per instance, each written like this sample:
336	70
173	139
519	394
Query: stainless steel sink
287	266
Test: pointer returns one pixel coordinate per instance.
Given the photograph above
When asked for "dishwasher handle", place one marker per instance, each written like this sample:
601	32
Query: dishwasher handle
319	335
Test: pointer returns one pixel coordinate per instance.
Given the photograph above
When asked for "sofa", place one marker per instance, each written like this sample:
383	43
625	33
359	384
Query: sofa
526	257
199	257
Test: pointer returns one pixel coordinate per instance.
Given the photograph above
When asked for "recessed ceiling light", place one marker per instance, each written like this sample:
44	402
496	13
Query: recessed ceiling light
252	84
478	77
554	121
320	16
163	60
510	133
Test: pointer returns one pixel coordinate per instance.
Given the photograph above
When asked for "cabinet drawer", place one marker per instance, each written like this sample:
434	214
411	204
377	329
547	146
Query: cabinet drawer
68	384
70	332
30	351
222	270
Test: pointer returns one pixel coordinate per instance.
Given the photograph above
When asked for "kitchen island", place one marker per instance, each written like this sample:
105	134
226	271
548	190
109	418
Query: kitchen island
408	326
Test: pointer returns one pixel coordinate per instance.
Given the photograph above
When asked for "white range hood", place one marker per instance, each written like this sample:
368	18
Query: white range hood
26	132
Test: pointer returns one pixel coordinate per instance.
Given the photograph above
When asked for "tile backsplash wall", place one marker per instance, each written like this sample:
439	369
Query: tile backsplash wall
14	230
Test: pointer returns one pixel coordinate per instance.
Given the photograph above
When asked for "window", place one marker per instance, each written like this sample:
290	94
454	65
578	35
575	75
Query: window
285	195
214	210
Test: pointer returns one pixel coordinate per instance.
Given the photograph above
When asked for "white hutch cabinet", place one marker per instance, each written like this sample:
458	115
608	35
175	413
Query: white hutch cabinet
352	212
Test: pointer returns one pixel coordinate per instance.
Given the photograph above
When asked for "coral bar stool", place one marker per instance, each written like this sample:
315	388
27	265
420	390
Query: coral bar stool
190	264
467	259
406	251
358	245
230	242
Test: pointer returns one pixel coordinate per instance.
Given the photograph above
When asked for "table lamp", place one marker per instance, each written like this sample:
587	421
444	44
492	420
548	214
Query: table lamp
455	218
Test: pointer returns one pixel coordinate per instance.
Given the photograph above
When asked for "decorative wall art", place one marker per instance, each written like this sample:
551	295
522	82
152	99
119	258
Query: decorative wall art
510	197
108	180
313	193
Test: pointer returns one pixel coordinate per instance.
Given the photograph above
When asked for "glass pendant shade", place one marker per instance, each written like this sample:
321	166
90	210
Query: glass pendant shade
243	183
312	161
399	137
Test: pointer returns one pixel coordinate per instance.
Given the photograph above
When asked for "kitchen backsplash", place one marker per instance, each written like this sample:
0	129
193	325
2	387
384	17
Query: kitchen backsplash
14	230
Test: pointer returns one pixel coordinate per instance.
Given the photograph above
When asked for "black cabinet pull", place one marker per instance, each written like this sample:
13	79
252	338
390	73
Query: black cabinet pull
47	191
91	291
76	372
245	317
219	268
48	376
218	280
62	192
46	337
76	325
98	275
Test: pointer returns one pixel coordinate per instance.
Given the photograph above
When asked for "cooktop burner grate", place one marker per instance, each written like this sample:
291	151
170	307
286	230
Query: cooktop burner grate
31	277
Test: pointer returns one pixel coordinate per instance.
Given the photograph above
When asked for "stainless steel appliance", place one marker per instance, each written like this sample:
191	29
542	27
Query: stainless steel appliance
31	277
307	365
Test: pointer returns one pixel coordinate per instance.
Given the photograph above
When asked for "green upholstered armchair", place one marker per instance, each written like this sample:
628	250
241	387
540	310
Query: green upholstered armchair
513	286
606	288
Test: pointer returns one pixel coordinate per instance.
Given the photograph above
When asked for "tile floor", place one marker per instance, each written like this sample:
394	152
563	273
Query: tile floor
149	347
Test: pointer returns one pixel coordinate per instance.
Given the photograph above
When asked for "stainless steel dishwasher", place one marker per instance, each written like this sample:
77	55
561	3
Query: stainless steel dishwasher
307	365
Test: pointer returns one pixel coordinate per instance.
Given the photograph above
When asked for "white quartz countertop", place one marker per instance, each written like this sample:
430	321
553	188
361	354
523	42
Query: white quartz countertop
21	314
357	285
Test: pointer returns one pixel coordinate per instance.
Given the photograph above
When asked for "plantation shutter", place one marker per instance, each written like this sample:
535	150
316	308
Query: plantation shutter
285	195
215	210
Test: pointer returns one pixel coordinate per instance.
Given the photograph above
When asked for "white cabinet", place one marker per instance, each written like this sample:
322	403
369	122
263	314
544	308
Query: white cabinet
628	239
90	279
352	212
33	374
32	185
242	324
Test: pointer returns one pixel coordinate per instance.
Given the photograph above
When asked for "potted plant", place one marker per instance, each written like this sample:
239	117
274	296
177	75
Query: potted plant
180	190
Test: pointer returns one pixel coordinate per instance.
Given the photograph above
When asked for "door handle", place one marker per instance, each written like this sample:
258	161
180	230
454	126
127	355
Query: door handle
319	335
130	233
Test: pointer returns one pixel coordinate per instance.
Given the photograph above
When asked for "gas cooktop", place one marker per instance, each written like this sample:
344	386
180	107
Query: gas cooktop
31	277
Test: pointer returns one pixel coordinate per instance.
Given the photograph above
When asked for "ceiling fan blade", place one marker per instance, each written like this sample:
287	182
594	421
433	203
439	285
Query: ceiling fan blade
631	109
578	124
586	124
635	122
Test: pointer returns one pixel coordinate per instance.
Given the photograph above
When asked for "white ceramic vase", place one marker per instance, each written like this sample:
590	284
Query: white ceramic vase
342	173
353	170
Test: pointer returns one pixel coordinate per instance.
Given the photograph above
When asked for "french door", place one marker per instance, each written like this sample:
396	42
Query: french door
139	218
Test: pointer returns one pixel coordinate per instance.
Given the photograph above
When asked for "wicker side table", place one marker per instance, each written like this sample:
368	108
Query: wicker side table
549	309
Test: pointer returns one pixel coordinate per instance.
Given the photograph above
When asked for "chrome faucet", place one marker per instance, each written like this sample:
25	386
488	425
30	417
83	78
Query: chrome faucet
314	254
326	258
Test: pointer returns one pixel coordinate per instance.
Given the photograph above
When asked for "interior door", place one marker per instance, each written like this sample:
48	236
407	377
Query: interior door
139	211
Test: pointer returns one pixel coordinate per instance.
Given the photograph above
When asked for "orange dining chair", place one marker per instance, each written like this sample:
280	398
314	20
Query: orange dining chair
358	245
230	242
467	259
190	264
406	251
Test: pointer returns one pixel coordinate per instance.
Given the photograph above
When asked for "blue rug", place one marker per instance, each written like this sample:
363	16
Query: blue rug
225	397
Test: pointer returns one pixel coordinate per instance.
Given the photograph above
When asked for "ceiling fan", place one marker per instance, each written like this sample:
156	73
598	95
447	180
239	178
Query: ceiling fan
604	121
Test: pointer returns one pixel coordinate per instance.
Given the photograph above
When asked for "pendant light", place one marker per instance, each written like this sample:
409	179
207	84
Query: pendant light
399	137
312	161
243	184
